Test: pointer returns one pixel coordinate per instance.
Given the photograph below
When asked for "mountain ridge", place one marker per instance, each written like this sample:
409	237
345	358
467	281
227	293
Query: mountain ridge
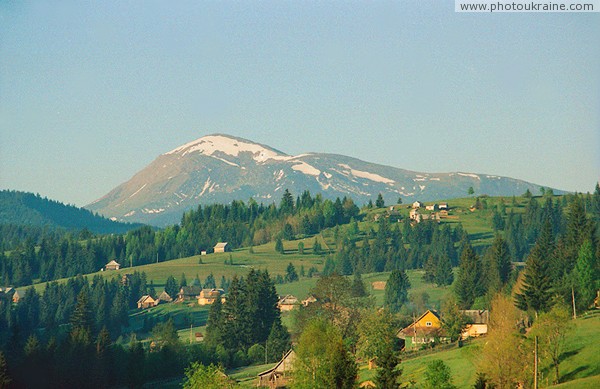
220	168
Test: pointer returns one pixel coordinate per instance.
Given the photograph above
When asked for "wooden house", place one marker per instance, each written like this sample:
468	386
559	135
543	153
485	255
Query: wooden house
287	303
164	298
279	375
309	300
112	265
146	301
17	296
187	293
222	247
424	329
415	215
209	296
417	204
444	206
432	207
477	323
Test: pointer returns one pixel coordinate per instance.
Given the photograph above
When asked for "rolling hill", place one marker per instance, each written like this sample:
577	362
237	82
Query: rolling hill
28	209
221	168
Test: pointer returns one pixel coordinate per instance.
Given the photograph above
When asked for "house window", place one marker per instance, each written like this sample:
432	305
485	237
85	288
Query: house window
428	324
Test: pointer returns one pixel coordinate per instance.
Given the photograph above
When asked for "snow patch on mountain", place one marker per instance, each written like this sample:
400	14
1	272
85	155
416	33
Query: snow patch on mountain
306	168
469	175
367	175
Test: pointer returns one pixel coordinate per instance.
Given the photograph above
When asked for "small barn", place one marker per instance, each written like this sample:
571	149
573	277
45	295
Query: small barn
309	300
279	375
222	247
477	323
188	293
417	204
146	301
287	303
164	298
209	296
17	296
112	265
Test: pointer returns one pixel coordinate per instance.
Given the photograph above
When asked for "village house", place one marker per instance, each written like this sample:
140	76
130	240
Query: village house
126	279
423	330
222	247
415	215
309	300
187	293
164	298
17	296
444	206
209	296
432	207
287	303
112	265
279	375
146	301
478	321
417	204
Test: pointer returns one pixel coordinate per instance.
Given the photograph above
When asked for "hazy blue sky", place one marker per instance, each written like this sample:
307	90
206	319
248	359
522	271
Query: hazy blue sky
91	92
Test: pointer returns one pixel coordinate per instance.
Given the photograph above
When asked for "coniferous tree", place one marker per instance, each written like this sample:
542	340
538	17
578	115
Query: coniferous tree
182	281
469	282
586	276
443	271
536	291
214	331
5	379
171	287
279	246
396	290
278	342
290	273
379	203
358	286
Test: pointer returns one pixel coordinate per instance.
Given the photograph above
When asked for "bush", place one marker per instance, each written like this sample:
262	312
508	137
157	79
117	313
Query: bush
256	354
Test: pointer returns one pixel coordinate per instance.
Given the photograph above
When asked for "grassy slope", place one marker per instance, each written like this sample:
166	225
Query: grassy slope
580	365
477	223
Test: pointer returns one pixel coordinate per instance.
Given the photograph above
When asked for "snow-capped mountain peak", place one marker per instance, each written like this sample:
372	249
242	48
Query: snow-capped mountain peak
220	168
218	143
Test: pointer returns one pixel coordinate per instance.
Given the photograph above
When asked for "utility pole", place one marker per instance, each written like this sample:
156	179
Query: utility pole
535	364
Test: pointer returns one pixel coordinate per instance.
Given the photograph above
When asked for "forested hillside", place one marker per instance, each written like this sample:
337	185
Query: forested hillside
27	209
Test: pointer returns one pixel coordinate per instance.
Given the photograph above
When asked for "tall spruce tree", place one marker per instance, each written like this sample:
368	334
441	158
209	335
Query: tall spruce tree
537	282
469	282
396	290
586	276
443	271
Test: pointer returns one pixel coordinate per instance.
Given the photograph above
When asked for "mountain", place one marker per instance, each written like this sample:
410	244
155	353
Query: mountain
22	208
220	168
